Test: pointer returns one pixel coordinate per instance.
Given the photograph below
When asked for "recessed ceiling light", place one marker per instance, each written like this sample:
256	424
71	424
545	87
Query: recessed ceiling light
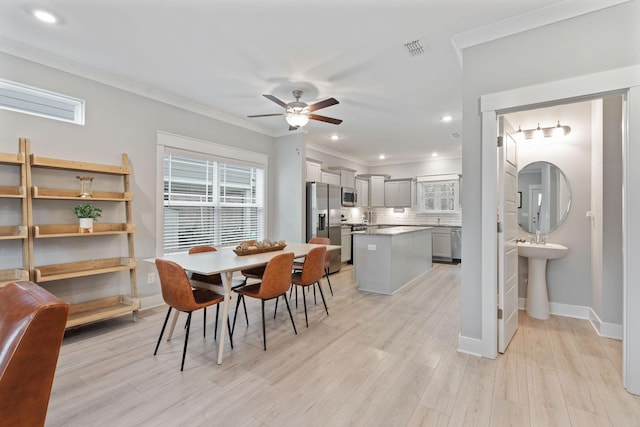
446	118
434	154
45	16
334	137
381	157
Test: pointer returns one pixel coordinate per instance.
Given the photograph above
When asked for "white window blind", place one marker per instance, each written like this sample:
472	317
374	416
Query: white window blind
210	202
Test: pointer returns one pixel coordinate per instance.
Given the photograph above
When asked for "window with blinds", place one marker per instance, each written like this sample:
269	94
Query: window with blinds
210	202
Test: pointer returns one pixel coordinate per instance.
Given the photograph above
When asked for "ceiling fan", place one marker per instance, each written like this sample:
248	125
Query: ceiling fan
298	113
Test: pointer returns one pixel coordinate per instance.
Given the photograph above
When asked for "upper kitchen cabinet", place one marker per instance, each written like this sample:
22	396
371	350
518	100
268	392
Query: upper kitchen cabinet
438	193
362	193
314	170
347	176
376	189
397	193
330	177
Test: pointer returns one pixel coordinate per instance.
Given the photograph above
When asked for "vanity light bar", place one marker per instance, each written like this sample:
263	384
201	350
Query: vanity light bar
557	130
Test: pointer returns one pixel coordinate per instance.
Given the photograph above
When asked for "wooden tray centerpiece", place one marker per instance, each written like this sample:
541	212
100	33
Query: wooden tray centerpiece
257	247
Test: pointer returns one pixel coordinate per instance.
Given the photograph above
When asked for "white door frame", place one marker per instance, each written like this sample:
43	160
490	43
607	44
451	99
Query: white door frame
623	80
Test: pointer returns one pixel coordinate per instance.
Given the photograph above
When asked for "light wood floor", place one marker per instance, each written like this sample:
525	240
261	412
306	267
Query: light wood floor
374	361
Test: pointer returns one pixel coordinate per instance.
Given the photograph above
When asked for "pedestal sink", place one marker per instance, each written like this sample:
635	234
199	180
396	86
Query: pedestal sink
538	254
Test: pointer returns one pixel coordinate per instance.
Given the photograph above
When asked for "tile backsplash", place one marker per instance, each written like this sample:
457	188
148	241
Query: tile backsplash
402	216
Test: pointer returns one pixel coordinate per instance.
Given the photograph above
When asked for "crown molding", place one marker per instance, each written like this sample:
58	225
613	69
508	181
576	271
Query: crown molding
557	12
42	57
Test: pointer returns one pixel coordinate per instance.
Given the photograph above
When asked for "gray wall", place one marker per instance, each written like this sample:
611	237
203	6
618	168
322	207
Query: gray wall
599	41
116	122
288	173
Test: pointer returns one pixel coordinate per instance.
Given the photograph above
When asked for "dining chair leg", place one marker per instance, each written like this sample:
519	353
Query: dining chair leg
186	341
314	295
264	330
164	325
204	325
291	316
322	295
235	315
275	311
304	300
230	334
326	274
215	331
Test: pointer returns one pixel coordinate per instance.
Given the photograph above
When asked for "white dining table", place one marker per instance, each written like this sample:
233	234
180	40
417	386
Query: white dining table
225	262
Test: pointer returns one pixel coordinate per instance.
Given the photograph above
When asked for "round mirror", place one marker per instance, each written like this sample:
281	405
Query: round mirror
544	197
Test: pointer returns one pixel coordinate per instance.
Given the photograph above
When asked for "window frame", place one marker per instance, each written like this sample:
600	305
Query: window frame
167	142
26	95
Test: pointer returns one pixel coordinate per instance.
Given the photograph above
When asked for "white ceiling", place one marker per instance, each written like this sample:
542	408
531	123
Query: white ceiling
221	56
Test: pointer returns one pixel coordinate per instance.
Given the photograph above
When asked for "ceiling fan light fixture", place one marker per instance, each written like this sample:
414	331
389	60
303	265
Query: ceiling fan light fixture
297	117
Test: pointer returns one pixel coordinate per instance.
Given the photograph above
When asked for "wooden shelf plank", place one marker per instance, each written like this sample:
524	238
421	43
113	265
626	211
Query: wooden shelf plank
47	273
11	159
61	194
14	275
9	232
101	309
13	192
71	230
71	165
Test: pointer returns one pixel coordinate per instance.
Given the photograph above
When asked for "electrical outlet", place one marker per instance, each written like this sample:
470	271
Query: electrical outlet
371	247
151	278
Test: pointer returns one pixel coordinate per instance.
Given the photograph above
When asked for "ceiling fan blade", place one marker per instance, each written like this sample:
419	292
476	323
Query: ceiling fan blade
325	119
266	115
323	104
276	100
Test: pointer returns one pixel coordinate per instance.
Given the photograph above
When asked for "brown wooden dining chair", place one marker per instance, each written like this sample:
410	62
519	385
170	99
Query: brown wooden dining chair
327	259
178	293
214	279
310	275
252	273
275	282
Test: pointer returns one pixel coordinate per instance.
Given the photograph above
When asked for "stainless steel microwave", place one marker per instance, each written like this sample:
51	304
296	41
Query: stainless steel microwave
349	197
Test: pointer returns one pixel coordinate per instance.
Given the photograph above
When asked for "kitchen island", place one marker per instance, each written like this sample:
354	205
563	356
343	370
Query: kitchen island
387	259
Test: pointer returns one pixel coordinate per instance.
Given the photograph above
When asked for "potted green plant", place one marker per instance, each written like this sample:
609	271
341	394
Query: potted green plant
87	214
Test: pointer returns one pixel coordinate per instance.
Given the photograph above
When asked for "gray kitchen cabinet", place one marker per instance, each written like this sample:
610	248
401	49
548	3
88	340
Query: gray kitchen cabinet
329	177
314	171
347	176
397	193
441	237
345	255
376	191
362	190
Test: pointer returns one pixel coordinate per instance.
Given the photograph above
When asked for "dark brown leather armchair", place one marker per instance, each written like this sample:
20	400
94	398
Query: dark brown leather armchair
32	323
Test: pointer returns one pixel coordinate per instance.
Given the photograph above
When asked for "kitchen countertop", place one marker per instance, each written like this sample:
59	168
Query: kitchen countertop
392	231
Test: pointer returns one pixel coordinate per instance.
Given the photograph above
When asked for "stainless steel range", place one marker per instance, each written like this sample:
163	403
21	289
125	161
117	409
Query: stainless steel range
356	228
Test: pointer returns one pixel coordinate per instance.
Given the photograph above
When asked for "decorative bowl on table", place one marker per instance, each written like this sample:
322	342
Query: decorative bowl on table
257	247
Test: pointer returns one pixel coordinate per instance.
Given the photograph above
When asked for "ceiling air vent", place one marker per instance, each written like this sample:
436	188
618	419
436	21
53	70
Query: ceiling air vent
416	47
455	135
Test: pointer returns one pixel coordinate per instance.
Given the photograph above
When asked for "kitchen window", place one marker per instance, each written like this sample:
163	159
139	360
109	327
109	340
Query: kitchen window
210	201
438	193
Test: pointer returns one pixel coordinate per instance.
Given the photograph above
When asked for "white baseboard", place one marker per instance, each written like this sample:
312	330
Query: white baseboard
472	346
604	329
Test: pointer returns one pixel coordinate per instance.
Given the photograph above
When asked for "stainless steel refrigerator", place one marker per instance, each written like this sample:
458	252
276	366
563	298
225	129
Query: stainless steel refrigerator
323	216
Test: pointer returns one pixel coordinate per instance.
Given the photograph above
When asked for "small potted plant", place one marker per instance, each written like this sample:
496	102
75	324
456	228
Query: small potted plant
87	214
